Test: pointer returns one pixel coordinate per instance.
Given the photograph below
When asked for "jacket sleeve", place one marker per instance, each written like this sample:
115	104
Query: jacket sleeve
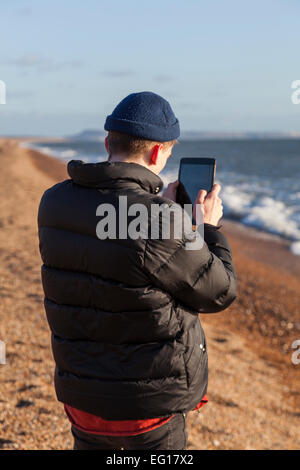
202	279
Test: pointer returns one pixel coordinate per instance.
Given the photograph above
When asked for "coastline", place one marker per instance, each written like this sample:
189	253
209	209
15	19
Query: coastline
231	225
253	387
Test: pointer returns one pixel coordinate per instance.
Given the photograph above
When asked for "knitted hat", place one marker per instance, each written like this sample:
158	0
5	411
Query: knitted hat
145	115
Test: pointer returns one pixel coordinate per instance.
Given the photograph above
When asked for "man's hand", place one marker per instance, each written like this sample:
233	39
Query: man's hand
170	191
211	205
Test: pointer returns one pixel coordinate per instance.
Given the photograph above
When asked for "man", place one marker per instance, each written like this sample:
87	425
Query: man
129	348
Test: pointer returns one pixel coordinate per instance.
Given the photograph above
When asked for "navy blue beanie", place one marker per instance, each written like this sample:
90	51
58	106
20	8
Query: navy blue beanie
145	115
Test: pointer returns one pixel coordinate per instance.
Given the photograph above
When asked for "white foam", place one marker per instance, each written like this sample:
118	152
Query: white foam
236	202
274	216
295	248
295	195
43	149
46	150
69	153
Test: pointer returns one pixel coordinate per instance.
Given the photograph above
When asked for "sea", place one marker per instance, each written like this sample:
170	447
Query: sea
259	178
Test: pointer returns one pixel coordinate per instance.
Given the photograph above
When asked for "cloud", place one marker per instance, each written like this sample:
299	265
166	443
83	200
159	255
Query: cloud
163	78
42	64
27	61
118	73
20	94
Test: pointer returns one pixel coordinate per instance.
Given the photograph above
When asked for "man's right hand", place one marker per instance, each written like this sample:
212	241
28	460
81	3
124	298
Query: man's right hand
211	205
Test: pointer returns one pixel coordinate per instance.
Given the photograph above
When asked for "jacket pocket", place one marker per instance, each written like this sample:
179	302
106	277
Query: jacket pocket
196	355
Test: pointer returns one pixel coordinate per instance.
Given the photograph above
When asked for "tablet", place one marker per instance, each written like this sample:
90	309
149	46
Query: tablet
195	174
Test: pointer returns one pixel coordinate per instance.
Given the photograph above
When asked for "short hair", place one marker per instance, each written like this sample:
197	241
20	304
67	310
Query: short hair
121	143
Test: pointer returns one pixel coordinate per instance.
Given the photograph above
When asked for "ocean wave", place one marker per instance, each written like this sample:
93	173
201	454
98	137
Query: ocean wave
295	248
67	154
46	150
252	203
263	212
269	205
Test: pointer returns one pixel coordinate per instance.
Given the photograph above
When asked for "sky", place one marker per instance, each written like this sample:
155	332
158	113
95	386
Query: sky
224	66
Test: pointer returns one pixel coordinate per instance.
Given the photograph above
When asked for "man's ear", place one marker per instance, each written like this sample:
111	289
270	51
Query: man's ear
154	154
106	144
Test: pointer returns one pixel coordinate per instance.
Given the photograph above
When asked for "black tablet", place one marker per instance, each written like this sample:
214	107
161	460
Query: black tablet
195	174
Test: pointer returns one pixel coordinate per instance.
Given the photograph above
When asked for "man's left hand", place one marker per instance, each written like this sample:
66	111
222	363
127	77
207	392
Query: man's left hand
171	190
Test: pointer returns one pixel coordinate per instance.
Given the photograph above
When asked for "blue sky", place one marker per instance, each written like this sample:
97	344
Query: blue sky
222	65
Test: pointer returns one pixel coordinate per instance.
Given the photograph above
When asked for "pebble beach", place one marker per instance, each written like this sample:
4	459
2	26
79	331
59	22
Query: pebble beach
254	387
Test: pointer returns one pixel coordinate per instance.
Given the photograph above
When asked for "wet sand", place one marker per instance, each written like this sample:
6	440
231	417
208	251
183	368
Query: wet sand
254	393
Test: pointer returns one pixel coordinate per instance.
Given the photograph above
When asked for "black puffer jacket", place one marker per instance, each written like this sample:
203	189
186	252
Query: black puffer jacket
126	337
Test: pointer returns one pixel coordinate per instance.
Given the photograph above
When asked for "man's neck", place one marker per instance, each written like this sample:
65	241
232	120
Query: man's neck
139	160
124	158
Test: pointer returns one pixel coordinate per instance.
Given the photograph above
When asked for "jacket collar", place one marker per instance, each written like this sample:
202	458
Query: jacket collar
111	175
